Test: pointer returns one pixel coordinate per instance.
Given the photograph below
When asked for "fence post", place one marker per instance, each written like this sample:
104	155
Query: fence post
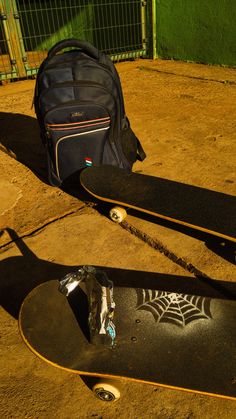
154	30
13	36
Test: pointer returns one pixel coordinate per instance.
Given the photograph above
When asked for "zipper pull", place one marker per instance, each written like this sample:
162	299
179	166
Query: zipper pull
48	134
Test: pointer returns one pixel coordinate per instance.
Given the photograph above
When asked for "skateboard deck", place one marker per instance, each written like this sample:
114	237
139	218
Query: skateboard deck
166	336
202	209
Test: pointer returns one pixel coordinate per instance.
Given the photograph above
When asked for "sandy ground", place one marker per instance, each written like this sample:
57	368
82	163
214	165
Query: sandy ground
184	115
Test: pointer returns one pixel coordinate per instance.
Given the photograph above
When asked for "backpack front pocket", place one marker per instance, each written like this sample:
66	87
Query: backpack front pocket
75	145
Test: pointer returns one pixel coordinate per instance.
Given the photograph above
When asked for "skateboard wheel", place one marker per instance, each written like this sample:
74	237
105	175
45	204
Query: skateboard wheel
106	391
118	214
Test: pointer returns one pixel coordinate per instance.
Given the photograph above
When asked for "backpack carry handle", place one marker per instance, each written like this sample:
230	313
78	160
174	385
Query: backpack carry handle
72	42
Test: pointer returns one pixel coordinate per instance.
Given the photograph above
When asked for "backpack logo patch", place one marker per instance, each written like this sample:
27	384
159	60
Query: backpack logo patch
74	114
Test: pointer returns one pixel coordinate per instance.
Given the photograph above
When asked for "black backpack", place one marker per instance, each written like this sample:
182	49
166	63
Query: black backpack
80	109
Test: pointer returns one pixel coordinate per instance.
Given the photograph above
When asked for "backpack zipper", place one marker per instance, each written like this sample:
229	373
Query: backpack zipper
75	125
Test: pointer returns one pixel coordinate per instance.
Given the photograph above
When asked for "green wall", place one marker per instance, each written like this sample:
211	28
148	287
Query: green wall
197	30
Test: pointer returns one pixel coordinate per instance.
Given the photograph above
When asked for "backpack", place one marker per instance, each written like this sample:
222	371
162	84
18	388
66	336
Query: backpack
79	106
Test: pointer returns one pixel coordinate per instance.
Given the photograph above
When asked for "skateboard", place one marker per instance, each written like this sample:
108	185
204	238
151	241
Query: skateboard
198	208
171	331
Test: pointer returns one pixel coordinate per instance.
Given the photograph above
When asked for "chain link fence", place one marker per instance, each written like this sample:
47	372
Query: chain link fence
28	29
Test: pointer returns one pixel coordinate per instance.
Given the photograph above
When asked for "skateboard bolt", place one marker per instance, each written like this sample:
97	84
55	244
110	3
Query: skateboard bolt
134	339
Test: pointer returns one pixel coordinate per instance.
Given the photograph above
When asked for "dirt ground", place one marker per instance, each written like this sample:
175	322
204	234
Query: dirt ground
184	115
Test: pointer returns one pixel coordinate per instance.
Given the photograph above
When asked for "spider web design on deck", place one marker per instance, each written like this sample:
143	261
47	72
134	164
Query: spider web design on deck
171	307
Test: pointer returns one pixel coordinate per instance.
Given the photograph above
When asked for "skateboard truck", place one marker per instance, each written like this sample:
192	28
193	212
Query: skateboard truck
99	290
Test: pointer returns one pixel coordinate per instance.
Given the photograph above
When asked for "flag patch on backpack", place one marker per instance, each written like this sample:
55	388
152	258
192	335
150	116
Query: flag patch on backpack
88	161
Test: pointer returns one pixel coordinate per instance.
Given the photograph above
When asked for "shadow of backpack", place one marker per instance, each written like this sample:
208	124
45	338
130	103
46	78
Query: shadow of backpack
80	109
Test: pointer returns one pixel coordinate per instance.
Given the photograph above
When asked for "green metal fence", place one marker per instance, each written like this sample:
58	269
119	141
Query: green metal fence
29	28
